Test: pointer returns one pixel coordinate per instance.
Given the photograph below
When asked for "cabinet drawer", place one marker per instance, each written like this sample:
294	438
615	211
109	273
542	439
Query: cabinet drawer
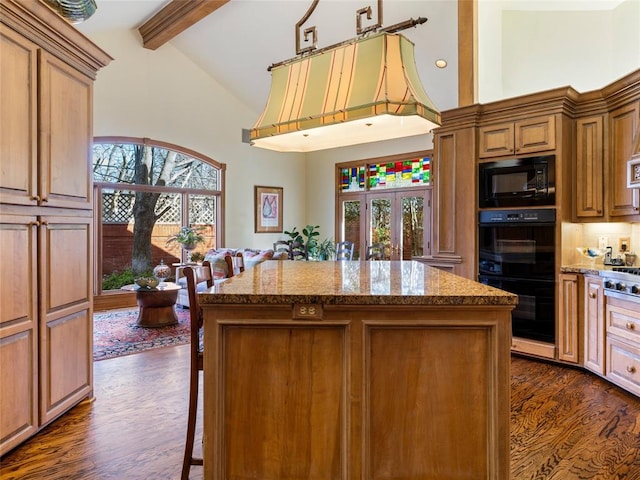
624	323
623	364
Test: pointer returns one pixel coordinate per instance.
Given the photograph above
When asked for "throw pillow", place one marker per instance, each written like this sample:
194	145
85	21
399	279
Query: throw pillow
219	267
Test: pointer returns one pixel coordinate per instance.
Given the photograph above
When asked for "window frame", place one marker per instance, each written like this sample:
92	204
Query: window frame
184	192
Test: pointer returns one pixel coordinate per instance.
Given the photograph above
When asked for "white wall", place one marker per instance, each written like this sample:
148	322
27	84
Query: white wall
526	51
162	95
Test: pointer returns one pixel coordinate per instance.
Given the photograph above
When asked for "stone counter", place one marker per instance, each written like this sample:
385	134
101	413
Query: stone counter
585	268
353	283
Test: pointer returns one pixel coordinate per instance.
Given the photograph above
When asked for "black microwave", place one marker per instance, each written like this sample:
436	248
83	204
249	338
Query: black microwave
520	182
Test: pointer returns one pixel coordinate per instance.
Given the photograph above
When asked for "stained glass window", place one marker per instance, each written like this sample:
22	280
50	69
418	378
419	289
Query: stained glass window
403	173
352	179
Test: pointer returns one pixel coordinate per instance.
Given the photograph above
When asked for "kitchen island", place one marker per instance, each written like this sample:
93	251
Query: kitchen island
355	370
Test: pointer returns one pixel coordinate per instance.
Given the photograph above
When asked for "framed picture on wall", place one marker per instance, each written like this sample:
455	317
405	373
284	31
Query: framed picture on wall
268	209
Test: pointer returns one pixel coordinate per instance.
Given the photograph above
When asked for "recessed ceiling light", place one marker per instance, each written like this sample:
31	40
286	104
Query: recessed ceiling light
441	63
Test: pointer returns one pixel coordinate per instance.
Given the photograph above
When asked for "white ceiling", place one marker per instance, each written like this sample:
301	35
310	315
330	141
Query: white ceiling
237	42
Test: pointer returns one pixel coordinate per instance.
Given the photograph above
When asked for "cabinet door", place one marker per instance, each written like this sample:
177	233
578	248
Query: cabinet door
589	171
496	140
66	322
455	201
18	118
623	123
594	327
568	319
18	330
65	135
535	135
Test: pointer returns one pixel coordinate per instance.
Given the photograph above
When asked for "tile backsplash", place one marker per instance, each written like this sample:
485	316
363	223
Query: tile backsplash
592	234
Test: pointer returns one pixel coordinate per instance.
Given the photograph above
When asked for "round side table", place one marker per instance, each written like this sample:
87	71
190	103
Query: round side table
157	305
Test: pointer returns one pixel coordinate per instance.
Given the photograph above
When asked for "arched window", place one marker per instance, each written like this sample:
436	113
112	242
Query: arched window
144	192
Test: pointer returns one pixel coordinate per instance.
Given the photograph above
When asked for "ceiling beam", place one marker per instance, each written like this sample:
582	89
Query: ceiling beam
174	18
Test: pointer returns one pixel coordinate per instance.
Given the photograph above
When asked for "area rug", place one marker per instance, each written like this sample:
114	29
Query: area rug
116	333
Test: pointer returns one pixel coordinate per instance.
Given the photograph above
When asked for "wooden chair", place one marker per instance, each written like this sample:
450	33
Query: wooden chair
282	246
238	263
194	276
375	251
298	251
344	250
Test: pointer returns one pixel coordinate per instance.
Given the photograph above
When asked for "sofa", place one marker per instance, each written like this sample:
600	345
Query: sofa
243	259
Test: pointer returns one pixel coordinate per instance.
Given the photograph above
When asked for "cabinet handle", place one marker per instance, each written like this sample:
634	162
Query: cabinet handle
593	294
630	326
631	369
45	199
35	198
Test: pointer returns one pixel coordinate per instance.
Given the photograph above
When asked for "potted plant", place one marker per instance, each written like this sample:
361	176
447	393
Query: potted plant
188	238
326	249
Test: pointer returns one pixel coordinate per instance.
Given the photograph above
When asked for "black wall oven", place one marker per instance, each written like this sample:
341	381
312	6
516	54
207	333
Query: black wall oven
517	254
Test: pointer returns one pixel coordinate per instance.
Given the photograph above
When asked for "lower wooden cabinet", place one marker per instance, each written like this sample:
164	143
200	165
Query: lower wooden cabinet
18	330
623	343
569	328
364	392
46	324
594	328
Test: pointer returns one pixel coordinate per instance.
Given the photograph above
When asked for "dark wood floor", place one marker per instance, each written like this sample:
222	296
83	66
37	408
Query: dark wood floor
566	424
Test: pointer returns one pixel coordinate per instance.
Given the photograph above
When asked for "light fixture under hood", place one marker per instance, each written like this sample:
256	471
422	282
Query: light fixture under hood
363	90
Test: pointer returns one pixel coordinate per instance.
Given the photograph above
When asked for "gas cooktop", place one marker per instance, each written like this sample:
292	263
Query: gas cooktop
624	280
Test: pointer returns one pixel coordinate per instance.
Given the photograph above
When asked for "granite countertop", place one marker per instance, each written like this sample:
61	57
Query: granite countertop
352	283
591	268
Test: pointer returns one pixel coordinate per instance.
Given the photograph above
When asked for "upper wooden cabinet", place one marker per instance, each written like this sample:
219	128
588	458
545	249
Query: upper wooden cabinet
66	134
46	128
589	177
623	124
18	117
517	138
604	145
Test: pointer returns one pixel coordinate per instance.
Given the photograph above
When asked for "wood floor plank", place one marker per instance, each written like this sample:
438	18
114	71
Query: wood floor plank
566	424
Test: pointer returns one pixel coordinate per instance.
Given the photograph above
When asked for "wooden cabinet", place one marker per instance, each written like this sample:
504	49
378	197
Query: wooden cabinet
358	391
18	330
517	138
623	343
66	135
49	113
623	125
455	200
18	117
569	327
589	178
594	326
46	325
65	312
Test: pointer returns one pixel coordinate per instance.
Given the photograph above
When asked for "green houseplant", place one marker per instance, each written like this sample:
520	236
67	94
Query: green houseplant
326	249
187	237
